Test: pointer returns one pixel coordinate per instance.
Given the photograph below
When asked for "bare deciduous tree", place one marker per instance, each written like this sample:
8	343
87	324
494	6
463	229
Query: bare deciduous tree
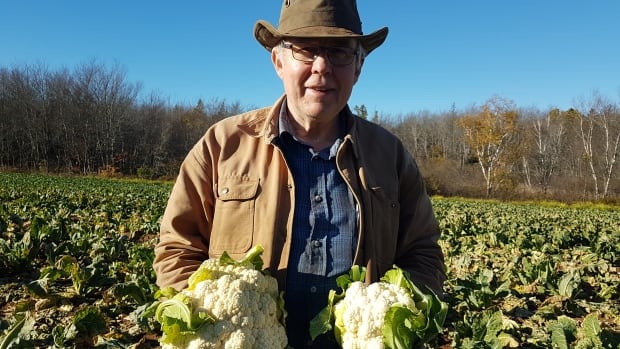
548	138
600	136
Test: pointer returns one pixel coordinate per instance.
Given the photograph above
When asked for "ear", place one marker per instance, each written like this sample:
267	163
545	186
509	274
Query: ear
276	59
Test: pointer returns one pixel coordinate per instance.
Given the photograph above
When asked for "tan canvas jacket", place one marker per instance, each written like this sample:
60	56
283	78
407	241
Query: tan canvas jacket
234	190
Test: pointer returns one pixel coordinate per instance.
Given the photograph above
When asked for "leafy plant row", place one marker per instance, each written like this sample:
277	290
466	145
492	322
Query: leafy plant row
530	276
76	259
76	255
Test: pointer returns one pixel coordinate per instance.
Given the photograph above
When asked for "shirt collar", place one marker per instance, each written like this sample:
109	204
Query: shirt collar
283	124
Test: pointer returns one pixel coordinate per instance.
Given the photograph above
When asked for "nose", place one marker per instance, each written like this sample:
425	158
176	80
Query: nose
321	63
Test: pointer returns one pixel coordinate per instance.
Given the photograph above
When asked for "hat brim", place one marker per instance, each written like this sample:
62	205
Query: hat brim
268	36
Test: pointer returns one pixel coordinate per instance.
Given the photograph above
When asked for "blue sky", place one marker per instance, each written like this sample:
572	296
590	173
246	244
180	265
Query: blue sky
438	54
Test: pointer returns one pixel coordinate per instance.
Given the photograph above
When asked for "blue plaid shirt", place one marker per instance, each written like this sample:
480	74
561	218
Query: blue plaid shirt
324	229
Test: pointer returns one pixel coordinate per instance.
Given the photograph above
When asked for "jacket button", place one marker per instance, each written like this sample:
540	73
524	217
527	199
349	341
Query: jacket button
318	198
225	190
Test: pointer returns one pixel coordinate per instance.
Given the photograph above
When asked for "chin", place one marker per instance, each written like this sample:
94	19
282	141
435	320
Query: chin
323	114
323	111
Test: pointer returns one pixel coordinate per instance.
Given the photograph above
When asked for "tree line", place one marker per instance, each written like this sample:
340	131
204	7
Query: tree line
92	120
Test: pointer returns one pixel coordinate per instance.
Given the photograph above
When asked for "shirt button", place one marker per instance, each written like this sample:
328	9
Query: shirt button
225	190
313	289
318	198
316	243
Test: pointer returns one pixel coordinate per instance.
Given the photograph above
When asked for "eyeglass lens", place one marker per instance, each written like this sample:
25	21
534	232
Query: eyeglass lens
336	55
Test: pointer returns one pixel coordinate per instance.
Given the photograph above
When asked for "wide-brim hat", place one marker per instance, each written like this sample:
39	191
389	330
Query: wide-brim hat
318	19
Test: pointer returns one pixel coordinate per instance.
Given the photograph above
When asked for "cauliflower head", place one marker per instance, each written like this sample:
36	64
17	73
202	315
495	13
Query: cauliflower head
391	313
227	305
360	315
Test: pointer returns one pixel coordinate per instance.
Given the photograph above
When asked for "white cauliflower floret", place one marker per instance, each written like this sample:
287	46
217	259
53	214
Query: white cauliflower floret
361	313
242	306
240	338
267	338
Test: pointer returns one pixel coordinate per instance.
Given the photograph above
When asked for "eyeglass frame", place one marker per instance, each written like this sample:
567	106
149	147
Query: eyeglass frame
319	50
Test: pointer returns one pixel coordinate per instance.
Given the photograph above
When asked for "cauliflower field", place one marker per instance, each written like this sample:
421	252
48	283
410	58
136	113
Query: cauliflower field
76	254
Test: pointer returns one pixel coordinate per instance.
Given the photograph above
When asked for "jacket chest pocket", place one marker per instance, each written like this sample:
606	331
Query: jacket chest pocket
384	225
233	219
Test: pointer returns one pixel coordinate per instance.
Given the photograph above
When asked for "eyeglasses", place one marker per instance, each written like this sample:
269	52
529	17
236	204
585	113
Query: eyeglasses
338	56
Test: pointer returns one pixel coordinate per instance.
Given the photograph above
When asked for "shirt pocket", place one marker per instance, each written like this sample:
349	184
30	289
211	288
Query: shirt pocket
233	220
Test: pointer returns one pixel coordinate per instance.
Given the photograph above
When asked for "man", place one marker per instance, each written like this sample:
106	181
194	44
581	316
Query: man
319	188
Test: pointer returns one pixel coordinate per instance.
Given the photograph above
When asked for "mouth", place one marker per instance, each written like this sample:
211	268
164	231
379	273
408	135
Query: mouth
321	89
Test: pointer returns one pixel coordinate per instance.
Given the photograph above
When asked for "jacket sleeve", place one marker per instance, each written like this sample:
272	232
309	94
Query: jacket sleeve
184	229
418	250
